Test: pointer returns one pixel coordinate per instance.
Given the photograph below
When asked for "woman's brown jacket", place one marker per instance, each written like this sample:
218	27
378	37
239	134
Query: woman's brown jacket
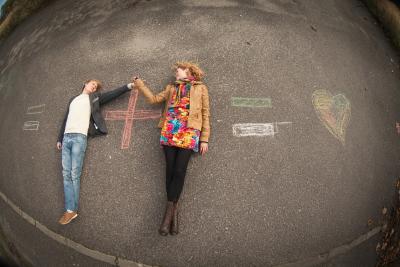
199	110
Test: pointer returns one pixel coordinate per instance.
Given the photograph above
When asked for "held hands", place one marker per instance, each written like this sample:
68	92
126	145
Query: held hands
59	145
137	82
203	148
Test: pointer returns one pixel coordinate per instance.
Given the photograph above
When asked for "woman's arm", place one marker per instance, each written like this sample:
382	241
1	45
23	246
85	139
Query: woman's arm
205	112
151	98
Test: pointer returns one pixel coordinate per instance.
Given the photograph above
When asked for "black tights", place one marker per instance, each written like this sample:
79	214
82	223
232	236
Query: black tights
177	160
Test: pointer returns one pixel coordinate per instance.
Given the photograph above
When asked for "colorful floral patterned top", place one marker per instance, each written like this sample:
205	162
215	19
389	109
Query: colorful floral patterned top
175	131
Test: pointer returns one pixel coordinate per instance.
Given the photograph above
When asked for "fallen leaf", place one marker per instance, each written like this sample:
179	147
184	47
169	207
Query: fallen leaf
370	222
313	28
384	210
378	247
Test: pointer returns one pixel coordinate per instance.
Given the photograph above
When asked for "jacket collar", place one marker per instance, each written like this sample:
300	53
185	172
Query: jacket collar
93	98
193	82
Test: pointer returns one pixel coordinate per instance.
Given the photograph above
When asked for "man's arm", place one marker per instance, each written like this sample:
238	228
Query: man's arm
62	129
110	95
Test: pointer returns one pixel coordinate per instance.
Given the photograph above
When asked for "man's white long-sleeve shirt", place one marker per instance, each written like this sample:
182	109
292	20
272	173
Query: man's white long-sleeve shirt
79	115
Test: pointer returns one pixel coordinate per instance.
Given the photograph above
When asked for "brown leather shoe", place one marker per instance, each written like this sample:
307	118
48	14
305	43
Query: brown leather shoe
165	225
67	217
174	224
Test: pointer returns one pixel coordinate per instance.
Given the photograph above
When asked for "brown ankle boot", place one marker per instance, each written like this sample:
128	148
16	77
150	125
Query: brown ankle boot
165	225
174	224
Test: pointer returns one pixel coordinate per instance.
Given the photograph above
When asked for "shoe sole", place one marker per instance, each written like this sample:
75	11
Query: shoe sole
67	222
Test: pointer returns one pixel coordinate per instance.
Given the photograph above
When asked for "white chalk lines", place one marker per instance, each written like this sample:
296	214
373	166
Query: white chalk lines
36	109
117	261
255	129
33	125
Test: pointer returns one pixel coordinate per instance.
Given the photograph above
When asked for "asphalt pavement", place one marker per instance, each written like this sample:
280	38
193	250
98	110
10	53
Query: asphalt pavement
303	149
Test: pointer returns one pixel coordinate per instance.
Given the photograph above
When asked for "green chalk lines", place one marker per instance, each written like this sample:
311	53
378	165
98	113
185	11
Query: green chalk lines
251	102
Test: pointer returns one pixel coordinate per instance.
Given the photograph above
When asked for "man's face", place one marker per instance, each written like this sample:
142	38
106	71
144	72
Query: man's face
90	87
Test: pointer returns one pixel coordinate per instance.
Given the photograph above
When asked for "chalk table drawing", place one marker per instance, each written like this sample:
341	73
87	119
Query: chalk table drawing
31	126
256	129
129	115
333	111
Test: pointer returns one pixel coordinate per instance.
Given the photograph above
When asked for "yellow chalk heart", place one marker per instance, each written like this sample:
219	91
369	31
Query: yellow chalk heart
333	111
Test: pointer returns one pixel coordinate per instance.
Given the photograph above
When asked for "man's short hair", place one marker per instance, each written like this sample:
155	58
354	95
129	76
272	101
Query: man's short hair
99	84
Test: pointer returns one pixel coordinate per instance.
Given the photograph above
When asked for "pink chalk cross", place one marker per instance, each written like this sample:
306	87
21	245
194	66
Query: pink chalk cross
129	115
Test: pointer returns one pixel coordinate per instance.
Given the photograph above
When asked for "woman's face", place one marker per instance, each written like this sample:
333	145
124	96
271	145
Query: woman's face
181	73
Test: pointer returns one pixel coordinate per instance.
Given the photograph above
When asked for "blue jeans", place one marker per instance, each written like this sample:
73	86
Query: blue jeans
73	153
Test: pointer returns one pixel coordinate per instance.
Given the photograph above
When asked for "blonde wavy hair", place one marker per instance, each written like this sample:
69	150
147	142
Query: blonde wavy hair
194	69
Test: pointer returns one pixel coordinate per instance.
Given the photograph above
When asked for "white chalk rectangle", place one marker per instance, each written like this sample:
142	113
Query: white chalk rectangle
253	129
36	109
31	126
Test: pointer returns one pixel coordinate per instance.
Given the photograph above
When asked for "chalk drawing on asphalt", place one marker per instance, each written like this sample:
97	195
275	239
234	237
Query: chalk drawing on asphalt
36	109
129	116
251	102
33	110
257	129
333	111
31	126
